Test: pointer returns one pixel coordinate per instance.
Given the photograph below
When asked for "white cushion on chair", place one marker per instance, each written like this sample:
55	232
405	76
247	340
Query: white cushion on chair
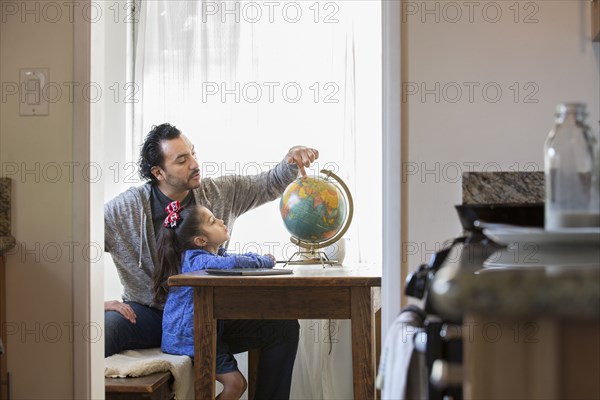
148	361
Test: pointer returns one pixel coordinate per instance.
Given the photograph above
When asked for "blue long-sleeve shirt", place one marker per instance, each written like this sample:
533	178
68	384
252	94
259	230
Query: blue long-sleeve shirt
178	317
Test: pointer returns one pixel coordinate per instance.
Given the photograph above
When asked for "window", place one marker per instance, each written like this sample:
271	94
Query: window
247	80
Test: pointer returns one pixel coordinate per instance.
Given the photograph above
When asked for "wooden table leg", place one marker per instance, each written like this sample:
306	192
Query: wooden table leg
253	358
363	343
205	344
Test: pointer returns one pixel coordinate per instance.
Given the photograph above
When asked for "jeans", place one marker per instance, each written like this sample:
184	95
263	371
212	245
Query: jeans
123	335
278	344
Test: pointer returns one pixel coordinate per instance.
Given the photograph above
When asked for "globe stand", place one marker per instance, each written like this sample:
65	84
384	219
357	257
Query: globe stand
309	257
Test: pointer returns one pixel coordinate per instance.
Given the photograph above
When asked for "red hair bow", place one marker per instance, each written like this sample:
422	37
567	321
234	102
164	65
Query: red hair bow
173	210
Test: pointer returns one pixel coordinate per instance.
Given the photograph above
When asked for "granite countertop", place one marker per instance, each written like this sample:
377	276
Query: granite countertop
7	242
519	291
502	187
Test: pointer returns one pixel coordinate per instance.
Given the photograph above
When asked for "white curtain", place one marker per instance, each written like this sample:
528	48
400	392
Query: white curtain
247	80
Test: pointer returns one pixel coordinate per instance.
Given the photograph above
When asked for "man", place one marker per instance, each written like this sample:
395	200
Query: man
133	219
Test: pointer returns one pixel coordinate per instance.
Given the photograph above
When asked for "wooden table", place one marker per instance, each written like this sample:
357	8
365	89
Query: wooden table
310	293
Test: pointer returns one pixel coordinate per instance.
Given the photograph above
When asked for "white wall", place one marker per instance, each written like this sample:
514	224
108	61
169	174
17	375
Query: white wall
38	270
545	50
57	260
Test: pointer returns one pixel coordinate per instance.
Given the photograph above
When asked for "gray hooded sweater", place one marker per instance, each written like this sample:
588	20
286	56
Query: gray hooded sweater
129	234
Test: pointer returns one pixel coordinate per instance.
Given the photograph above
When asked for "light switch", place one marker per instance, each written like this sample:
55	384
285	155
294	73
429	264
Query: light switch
33	85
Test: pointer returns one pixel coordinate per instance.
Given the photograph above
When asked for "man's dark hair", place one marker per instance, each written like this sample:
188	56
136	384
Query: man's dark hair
151	154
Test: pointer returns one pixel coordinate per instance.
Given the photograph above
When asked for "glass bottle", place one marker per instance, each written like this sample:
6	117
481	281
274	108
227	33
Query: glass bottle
570	171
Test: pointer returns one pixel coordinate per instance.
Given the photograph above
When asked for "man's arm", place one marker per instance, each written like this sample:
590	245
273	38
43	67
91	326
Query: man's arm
247	192
109	234
110	245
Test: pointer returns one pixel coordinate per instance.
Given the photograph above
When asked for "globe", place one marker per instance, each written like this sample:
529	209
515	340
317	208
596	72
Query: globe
315	211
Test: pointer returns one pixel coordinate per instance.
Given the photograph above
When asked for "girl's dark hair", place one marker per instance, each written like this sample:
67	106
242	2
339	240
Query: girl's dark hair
171	243
151	154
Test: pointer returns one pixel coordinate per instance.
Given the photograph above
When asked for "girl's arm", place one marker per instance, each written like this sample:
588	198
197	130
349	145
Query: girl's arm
228	261
266	261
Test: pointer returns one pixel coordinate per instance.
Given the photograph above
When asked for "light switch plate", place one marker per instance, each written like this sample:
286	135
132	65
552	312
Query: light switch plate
33	99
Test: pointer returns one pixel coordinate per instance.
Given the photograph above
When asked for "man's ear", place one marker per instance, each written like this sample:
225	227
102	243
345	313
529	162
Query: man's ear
200	241
157	172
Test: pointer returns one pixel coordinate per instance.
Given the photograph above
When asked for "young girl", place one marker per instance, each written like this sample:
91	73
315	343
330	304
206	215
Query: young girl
191	240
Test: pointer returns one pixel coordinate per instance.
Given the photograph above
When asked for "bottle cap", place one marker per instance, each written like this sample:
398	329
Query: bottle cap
571	107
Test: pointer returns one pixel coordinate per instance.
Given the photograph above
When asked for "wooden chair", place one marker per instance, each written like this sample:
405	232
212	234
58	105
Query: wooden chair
156	386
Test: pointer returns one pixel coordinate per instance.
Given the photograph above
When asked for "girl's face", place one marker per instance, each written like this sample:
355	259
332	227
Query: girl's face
214	231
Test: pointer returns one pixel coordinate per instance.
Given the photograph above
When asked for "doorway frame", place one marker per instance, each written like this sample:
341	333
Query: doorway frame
88	357
87	228
392	269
